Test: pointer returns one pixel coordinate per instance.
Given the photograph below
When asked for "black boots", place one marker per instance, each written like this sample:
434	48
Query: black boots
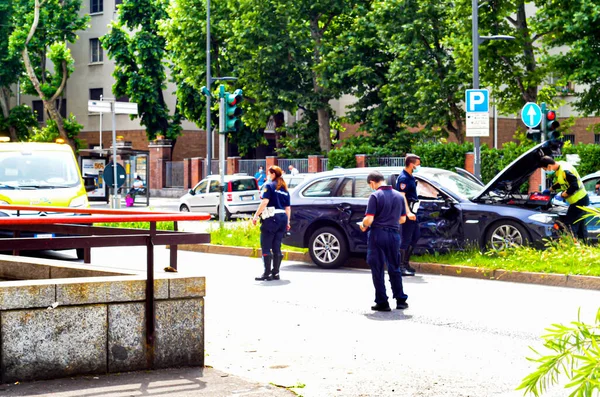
266	276
407	261
405	268
276	264
382	307
401	304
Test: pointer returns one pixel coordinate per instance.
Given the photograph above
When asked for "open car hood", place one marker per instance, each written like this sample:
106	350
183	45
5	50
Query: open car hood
510	179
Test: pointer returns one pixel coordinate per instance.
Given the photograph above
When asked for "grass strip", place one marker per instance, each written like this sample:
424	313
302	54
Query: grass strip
242	234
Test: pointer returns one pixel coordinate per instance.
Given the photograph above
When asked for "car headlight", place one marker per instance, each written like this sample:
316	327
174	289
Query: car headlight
78	201
543	218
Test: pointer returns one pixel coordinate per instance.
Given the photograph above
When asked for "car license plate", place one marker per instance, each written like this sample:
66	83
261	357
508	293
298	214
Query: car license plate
44	235
247	198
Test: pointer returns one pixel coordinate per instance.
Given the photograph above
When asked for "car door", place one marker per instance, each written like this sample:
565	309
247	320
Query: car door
198	199
351	210
212	198
440	219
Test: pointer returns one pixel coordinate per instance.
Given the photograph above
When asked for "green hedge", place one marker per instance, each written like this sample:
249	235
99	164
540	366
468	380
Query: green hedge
589	157
446	156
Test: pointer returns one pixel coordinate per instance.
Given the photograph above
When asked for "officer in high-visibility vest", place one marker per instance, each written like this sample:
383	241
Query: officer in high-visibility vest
569	184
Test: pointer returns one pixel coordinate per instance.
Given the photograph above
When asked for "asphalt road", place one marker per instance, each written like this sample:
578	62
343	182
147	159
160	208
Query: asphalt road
460	337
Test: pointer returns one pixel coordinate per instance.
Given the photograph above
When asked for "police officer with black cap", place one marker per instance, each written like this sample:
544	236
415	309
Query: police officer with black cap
275	210
406	184
385	212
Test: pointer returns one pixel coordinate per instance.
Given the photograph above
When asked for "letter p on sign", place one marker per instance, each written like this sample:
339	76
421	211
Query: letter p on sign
477	101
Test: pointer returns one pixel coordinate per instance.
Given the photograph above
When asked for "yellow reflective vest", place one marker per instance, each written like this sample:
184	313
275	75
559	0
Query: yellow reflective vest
561	179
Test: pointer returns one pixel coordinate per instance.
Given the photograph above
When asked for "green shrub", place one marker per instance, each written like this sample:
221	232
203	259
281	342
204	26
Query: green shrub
446	156
243	234
589	157
161	225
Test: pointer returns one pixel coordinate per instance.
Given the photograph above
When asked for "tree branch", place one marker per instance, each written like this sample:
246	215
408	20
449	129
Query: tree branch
327	23
512	21
36	21
62	83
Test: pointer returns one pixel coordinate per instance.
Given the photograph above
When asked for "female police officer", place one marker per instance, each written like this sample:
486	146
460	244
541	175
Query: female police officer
275	211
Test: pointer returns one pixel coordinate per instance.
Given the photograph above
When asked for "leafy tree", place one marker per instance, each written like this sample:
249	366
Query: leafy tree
574	351
301	138
576	32
19	123
139	53
41	31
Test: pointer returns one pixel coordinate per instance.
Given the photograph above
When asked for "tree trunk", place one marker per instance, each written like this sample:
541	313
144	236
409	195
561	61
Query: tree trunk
324	119
457	130
323	113
49	104
279	121
529	93
5	106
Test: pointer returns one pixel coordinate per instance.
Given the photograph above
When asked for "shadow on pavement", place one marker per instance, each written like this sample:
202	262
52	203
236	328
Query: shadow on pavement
273	283
170	382
394	315
315	269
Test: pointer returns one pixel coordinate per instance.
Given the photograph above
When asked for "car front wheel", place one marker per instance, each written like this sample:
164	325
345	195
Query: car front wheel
328	248
184	208
506	234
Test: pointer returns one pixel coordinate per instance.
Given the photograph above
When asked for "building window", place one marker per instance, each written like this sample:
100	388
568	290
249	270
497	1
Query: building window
96	6
61	106
38	109
597	139
96	54
570	138
96	93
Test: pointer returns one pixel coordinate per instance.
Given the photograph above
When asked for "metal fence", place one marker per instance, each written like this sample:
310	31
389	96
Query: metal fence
386	161
214	170
300	164
174	174
324	163
250	167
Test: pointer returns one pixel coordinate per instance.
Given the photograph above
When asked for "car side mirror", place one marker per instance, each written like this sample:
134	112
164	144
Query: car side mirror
192	192
89	182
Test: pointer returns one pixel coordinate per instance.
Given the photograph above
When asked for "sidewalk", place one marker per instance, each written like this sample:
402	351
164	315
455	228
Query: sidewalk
179	382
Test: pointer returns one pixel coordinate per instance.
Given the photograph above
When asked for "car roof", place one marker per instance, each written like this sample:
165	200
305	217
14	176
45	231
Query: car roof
593	175
38	146
229	177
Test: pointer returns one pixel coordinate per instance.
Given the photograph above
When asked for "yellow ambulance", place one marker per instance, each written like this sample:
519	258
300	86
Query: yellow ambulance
41	174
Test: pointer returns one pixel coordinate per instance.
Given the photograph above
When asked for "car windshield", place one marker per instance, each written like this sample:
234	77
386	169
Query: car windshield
37	169
460	185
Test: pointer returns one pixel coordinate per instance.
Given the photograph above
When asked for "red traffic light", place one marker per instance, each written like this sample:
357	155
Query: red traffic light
551	115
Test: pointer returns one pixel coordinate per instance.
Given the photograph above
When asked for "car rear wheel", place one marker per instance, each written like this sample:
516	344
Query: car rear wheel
506	234
328	248
184	208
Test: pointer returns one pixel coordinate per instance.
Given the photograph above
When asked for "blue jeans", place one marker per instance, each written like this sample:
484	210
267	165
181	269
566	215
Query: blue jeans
271	233
383	249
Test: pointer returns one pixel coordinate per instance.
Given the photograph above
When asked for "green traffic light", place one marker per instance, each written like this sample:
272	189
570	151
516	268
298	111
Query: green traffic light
232	111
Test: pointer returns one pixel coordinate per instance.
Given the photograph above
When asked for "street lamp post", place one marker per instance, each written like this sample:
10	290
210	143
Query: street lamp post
477	40
208	98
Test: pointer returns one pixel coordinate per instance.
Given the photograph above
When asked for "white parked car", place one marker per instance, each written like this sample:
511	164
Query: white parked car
294	180
241	196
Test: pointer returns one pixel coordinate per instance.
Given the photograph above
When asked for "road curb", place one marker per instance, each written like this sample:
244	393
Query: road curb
551	279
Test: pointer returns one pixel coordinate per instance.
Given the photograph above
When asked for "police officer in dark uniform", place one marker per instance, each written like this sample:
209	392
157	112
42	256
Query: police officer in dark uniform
274	210
385	212
406	184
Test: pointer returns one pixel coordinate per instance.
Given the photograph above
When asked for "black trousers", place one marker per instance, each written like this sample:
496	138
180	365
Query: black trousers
574	213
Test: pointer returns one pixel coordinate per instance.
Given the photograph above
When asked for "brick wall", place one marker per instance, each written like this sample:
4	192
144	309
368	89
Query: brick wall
189	144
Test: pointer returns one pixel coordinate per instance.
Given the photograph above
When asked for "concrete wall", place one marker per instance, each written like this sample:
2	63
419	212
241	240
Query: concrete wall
92	325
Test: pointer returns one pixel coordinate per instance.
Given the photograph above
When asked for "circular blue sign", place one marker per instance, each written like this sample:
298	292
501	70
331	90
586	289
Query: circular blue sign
108	175
531	114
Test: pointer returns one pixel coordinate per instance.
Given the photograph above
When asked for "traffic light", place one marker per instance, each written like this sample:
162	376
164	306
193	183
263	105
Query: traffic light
552	125
233	111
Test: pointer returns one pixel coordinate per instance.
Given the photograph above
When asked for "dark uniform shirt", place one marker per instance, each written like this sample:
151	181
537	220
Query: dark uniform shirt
277	198
386	206
407	184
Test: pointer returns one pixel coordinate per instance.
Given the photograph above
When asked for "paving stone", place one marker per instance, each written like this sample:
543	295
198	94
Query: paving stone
188	287
126	337
26	294
93	290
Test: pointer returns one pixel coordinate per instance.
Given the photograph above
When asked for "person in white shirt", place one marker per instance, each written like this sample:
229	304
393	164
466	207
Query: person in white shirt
293	170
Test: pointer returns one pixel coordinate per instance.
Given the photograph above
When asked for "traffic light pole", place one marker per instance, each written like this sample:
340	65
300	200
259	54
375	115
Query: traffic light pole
222	120
544	129
208	101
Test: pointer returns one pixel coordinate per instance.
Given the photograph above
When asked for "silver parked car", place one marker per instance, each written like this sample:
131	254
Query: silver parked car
241	196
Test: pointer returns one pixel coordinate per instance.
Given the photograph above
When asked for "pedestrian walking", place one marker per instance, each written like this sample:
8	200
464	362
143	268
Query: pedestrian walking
260	176
571	188
293	170
385	212
274	210
406	184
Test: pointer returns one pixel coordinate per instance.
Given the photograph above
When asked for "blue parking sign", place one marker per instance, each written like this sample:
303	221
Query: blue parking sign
478	101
